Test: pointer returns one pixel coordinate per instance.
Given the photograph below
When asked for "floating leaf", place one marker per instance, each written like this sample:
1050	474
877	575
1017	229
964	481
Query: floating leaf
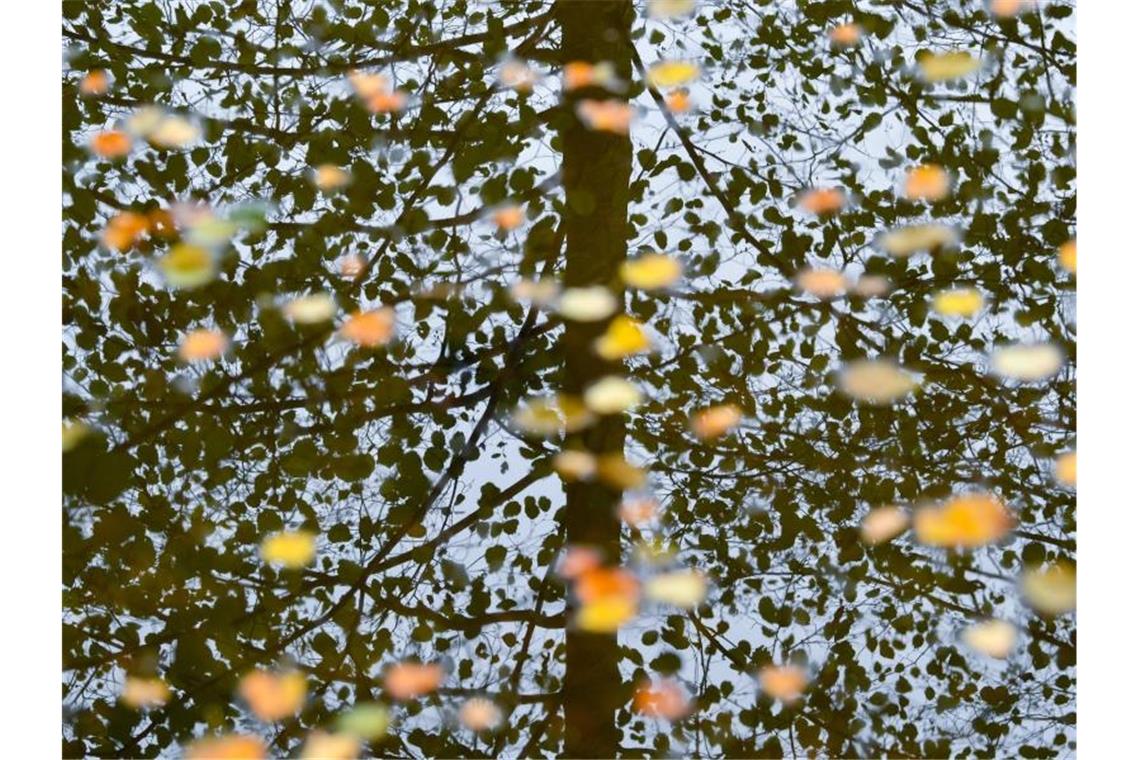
651	271
665	9
590	304
927	182
822	282
74	431
291	549
203	345
310	309
612	395
940	67
884	523
94	83
1027	362
1065	468
352	266
367	721
124	230
111	144
905	241
329	178
845	35
665	74
370	328
579	560
518	76
321	745
959	302
579	74
188	266
274	696
550	416
411	680
144	693
969	521
822	200
227	747
1067	256
616	472
1051	589
543	291
663	699
509	218
681	588
606	615
480	714
639	512
625	336
715	421
872	286
993	638
575	465
876	381
1010	8
678	101
612	116
785	683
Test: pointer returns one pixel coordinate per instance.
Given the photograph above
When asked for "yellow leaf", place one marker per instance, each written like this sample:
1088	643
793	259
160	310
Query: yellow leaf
322	745
665	74
612	395
1067	256
574	465
188	266
1051	589
606	615
311	309
651	271
589	304
1027	362
619	474
665	9
875	381
682	588
367	721
74	431
993	638
959	302
289	549
329	178
625	336
940	67
905	241
970	521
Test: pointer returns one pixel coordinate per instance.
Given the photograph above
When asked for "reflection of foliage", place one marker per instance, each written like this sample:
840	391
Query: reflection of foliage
438	525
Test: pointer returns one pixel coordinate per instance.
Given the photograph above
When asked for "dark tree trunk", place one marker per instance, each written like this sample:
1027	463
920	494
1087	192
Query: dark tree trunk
595	174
